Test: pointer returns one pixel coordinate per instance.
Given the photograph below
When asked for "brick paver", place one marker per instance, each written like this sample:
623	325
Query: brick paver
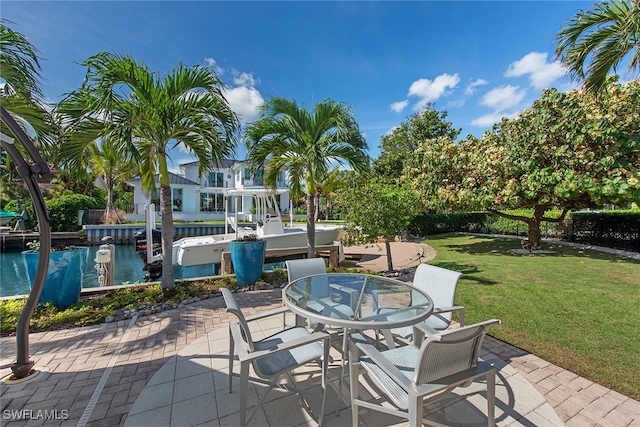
77	359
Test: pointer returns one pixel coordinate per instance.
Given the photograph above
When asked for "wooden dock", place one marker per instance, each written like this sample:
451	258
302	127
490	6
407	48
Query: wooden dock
279	255
17	241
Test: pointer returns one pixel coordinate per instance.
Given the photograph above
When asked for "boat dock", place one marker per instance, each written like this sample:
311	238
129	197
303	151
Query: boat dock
17	241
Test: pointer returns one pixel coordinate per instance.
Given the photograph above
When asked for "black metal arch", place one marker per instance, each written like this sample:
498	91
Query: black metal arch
38	171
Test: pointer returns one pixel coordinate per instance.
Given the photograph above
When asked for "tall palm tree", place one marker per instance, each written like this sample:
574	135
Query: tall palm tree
146	115
596	40
305	143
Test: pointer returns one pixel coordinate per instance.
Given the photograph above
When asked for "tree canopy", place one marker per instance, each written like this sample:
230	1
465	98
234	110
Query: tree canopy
569	150
374	210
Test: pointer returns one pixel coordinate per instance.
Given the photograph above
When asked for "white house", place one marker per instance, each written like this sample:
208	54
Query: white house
201	198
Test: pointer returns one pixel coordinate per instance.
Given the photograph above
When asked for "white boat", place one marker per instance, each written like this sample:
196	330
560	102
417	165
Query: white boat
202	250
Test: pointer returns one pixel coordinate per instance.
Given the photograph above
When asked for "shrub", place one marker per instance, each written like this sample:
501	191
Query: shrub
426	224
116	216
63	210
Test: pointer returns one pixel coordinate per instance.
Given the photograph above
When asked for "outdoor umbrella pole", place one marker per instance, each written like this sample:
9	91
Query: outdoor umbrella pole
38	171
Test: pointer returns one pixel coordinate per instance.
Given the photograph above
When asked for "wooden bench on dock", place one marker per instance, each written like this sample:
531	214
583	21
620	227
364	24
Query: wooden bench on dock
280	255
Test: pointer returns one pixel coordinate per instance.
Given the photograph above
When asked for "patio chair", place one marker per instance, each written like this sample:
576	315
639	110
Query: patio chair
273	356
411	377
440	284
322	302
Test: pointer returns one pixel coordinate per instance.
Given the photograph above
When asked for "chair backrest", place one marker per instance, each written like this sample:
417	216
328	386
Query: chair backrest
450	352
234	308
440	284
297	268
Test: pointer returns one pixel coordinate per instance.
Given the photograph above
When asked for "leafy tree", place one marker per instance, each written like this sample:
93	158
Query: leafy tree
596	40
569	150
374	210
306	143
400	144
146	115
426	124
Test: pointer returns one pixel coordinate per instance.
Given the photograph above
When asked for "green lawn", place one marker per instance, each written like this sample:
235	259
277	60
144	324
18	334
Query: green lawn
578	309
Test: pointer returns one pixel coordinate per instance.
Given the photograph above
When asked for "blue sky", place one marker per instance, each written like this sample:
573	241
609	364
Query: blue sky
478	60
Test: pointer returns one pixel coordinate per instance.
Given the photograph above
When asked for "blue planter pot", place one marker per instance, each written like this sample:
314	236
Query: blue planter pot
64	276
248	260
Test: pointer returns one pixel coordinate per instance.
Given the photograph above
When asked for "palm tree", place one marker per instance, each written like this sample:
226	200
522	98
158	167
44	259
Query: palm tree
595	41
21	95
145	115
328	188
305	143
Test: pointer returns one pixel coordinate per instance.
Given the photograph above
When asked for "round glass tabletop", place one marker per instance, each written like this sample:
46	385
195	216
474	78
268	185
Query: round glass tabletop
357	301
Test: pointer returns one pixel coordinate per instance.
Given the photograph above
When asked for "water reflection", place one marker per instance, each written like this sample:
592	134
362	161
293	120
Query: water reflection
128	269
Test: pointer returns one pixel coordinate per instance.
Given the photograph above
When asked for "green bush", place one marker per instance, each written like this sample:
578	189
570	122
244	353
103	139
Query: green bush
302	210
428	224
63	211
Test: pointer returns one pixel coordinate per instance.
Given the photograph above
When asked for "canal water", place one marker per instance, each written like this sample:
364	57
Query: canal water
128	269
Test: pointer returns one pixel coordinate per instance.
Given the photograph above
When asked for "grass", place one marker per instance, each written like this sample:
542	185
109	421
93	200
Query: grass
578	309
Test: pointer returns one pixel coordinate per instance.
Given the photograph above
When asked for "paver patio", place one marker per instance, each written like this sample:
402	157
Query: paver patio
533	391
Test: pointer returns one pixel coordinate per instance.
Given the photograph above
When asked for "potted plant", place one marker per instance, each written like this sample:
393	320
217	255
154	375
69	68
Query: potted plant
64	276
247	256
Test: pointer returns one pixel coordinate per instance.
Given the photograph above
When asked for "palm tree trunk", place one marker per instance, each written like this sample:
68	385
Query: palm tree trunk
166	208
311	226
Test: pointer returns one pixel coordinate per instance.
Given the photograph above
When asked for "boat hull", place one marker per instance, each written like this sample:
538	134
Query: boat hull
204	250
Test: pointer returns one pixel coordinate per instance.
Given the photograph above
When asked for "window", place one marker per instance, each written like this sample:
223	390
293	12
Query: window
258	179
216	179
211	202
176	198
247	173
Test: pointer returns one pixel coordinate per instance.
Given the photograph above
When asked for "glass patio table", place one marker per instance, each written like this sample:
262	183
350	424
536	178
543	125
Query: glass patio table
353	301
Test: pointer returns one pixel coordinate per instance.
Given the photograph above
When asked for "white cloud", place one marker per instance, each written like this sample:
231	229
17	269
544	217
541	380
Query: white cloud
399	106
210	62
390	131
428	90
541	73
503	97
244	101
244	79
471	87
492	118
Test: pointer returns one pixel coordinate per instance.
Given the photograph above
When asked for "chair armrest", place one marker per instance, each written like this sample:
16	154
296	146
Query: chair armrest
274	312
245	355
354	295
453	308
378	358
420	330
454	380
